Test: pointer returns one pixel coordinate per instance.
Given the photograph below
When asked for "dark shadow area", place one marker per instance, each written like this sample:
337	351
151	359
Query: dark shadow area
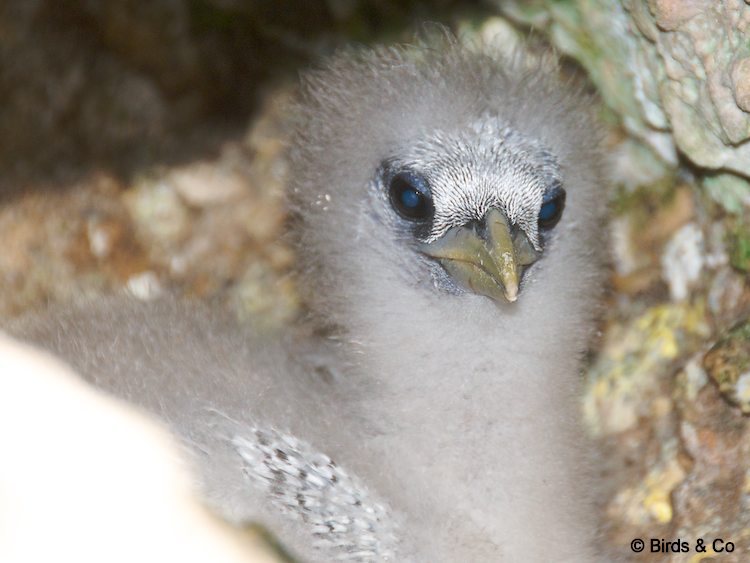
125	85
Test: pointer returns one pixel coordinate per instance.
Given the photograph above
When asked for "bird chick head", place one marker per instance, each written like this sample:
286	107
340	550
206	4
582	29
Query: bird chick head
479	201
436	165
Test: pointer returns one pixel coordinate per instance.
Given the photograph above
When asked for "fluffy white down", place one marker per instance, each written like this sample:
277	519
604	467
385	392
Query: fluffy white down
459	416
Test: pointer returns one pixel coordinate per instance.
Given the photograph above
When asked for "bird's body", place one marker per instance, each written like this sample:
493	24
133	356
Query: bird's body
430	423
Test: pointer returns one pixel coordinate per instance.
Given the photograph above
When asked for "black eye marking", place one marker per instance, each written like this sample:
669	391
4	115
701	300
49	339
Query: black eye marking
410	196
552	208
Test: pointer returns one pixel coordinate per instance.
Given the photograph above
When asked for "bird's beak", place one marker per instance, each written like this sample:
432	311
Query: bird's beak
487	259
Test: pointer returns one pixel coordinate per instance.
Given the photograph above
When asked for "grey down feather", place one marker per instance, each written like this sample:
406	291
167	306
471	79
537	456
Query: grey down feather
449	208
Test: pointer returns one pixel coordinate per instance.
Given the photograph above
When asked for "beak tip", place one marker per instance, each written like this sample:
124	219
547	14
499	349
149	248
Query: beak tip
510	288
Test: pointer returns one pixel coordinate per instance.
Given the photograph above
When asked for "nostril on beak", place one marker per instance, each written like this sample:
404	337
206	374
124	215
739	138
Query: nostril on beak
478	226
482	229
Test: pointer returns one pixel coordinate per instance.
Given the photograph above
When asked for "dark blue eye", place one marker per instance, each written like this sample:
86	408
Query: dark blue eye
410	197
552	208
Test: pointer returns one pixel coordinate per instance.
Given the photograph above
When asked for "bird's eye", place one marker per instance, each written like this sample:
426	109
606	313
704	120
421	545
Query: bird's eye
552	208
410	197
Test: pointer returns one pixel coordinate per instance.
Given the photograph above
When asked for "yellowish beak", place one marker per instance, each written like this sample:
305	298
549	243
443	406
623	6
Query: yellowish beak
487	261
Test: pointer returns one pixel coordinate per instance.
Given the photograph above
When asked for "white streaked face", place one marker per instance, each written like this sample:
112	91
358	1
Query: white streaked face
480	202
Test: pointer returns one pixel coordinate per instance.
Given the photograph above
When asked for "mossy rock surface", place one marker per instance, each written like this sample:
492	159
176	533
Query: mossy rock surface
728	365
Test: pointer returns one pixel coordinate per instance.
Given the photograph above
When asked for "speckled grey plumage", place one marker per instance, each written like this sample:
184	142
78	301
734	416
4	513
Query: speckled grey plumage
430	424
337	509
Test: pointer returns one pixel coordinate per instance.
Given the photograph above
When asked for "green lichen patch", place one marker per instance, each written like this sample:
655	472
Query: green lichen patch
739	246
635	363
728	190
